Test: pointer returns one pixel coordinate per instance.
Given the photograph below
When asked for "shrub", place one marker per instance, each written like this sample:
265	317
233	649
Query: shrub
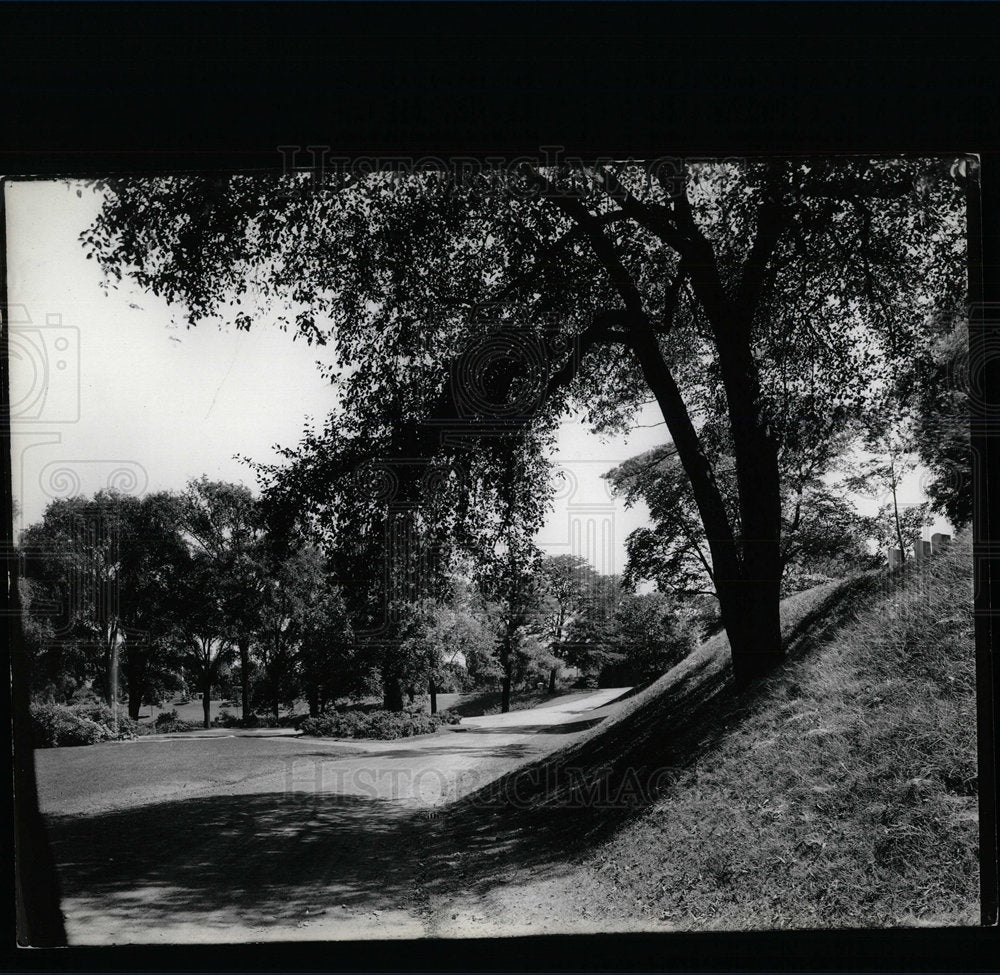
100	713
167	722
383	725
56	725
86	723
226	719
259	721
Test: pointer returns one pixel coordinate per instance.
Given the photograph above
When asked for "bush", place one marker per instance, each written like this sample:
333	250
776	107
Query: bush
56	725
86	723
100	713
258	721
383	725
167	722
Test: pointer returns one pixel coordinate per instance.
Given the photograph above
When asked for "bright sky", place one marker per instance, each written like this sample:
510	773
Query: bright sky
108	391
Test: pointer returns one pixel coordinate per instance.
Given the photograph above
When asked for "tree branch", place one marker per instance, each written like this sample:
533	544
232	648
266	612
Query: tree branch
592	229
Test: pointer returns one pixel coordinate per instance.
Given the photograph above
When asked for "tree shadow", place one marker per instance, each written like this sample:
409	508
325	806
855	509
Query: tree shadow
274	859
512	750
260	859
563	728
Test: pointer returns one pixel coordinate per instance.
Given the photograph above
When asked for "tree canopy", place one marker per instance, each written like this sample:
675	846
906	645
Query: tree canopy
763	304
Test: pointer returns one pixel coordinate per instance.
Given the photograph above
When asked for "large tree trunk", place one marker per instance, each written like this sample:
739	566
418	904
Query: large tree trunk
206	703
505	694
392	693
752	621
432	690
244	646
552	680
312	698
135	685
747	574
756	634
746	583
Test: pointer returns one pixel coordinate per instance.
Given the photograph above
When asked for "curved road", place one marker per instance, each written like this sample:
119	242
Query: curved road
424	770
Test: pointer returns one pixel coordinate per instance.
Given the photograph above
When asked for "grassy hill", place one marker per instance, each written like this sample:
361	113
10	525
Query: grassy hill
840	791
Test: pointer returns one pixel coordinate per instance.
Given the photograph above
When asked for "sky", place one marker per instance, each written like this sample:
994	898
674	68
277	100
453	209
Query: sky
109	389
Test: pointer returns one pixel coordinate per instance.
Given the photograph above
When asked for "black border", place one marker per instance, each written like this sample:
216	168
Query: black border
152	86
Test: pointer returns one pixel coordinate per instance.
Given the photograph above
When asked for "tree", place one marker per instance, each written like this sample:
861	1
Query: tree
652	635
293	597
76	550
821	529
592	631
939	398
330	662
442	632
571	584
758	291
830	538
512	586
880	472
152	559
104	568
202	633
225	523
56	667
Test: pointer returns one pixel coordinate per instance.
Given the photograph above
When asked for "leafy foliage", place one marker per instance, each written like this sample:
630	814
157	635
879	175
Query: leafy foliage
385	725
102	574
58	725
652	634
940	402
772	298
822	532
880	472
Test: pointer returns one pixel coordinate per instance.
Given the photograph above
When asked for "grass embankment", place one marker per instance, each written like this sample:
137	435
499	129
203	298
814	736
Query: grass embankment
840	791
846	795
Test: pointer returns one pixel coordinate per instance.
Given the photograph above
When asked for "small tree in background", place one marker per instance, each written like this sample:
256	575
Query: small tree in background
571	587
225	522
331	662
652	635
202	633
512	585
880	474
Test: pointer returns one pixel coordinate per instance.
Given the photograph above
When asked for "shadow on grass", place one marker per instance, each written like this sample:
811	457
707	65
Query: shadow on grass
269	859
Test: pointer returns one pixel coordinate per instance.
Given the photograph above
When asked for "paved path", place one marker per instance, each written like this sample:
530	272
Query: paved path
425	770
247	838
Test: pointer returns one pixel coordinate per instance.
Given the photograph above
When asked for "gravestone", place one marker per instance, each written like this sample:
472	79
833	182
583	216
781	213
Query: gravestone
895	557
940	543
